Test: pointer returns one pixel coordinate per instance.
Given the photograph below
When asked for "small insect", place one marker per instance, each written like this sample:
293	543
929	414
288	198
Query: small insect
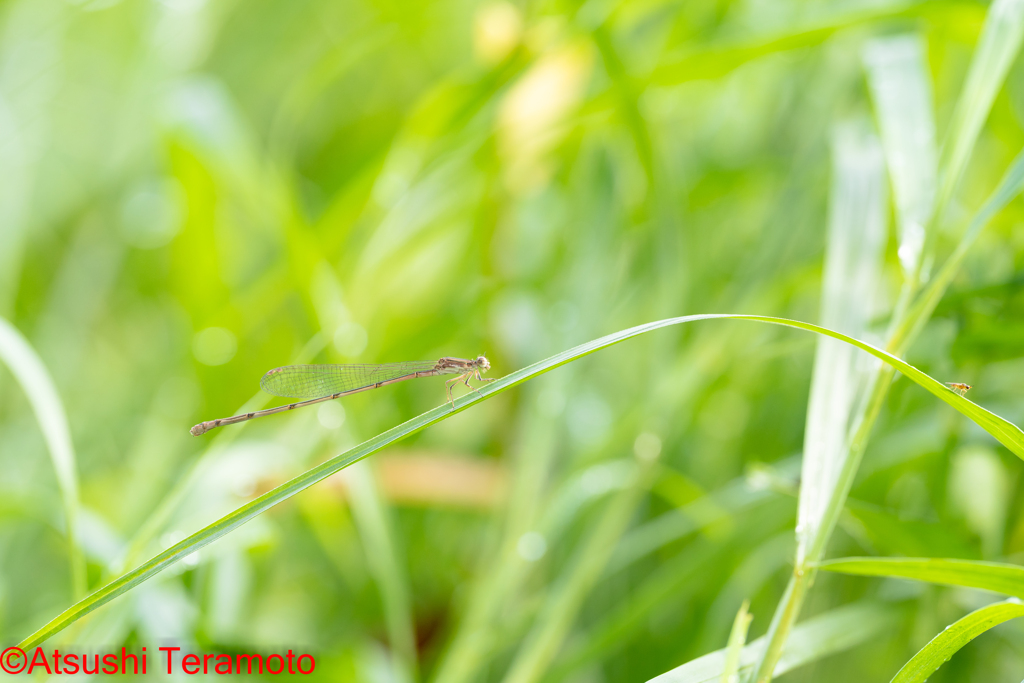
959	387
319	383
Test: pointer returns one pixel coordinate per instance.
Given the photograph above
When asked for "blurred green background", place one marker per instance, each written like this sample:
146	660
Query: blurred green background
195	191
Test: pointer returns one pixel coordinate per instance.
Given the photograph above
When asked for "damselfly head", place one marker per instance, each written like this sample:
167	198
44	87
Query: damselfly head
482	363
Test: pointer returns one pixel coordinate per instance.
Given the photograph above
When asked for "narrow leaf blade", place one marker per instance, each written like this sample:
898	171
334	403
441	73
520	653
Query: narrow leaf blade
997	47
943	646
993	576
737	639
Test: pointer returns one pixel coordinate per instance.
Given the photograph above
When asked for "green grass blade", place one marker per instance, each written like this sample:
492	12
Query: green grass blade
814	639
905	331
997	47
901	90
718	59
737	638
565	599
836	631
1005	432
377	534
676	581
732	500
505	573
943	646
1009	187
853	264
992	576
35	380
888	533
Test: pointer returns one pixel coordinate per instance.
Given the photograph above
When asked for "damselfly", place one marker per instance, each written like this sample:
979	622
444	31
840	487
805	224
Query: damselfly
959	387
319	383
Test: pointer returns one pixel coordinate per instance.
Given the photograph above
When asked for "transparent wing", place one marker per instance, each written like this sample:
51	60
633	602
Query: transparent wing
317	381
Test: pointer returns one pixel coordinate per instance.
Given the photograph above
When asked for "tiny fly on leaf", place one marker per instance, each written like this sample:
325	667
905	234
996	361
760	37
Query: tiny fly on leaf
959	387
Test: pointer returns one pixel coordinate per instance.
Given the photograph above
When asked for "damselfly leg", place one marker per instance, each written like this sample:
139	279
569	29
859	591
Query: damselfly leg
464	378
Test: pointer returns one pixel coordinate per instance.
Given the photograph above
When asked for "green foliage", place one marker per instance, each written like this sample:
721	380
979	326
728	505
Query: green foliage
1003	578
938	651
195	192
596	550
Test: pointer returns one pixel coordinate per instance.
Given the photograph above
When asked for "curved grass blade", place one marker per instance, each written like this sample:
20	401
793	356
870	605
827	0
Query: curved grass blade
943	646
992	576
35	380
997	48
1005	432
814	639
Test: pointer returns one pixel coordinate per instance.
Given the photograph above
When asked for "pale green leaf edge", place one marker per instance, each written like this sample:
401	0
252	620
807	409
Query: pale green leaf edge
1006	433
